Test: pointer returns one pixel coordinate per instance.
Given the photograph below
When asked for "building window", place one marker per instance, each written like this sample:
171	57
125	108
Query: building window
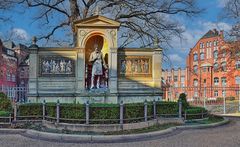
216	81
8	76
214	43
215	66
207	44
224	53
238	64
210	44
195	69
182	81
169	79
216	93
13	78
175	78
237	79
224	66
195	94
215	54
202	56
195	57
224	93
224	81
195	82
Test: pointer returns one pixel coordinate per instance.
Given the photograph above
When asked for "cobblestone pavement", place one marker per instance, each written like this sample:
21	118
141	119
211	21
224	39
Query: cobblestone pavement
223	136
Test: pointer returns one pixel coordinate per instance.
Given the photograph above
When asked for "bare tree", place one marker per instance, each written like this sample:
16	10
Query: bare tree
141	20
232	13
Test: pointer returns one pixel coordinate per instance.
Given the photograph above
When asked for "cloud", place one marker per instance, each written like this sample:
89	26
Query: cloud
175	58
220	26
19	34
222	3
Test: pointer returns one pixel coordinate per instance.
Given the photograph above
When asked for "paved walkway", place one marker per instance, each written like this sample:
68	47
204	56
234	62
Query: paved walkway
223	136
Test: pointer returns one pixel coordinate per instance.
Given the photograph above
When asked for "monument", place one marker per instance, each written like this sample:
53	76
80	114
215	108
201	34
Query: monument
95	69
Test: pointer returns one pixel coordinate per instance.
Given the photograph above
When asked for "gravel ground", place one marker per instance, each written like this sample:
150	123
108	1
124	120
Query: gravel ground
223	136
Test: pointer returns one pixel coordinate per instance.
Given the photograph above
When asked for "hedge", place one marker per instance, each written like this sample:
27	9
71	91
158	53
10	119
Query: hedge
30	109
133	112
4	114
5	102
170	108
104	111
195	113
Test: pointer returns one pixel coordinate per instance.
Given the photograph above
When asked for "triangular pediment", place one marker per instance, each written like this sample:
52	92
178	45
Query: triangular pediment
96	21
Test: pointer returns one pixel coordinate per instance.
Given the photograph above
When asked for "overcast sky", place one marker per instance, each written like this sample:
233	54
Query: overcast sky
195	28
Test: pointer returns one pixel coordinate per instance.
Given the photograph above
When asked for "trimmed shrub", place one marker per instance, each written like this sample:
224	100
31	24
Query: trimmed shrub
183	99
5	102
51	109
133	111
104	111
230	98
195	113
30	109
168	109
4	113
73	111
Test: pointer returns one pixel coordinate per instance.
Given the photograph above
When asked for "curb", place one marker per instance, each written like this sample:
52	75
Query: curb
103	138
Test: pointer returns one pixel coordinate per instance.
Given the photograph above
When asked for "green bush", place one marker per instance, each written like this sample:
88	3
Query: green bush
133	111
5	102
73	111
104	111
230	98
51	109
183	99
195	113
167	109
4	113
30	109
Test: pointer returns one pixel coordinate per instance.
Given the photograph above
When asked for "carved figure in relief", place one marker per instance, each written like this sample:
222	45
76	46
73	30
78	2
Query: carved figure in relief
146	66
96	58
69	67
123	66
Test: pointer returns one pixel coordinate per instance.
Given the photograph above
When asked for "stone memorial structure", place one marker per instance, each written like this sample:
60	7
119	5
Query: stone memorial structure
95	70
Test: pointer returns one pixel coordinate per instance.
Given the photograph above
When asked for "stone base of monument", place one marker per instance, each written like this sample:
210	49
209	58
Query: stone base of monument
96	98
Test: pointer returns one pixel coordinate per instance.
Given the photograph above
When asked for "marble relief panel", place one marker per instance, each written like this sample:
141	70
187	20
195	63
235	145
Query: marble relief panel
135	66
56	66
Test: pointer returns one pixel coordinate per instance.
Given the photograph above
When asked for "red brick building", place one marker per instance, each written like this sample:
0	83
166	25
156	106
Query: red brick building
8	66
13	65
212	69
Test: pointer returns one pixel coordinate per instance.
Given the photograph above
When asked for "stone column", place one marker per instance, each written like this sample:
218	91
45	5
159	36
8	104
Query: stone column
157	69
113	71
33	72
80	71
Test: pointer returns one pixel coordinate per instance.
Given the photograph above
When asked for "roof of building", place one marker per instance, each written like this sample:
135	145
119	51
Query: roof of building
211	33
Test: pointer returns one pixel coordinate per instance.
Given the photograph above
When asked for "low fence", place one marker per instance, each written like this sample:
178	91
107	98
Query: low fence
93	114
16	94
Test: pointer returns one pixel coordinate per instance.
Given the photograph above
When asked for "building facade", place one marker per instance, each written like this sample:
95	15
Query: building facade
174	83
8	66
212	69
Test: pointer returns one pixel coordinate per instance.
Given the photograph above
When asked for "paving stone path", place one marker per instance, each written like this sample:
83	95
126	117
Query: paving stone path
223	136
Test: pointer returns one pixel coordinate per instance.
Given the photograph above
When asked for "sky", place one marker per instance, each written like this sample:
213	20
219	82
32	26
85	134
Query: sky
24	28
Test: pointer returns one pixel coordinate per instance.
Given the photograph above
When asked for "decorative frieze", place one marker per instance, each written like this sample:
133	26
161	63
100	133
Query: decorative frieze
56	66
135	66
